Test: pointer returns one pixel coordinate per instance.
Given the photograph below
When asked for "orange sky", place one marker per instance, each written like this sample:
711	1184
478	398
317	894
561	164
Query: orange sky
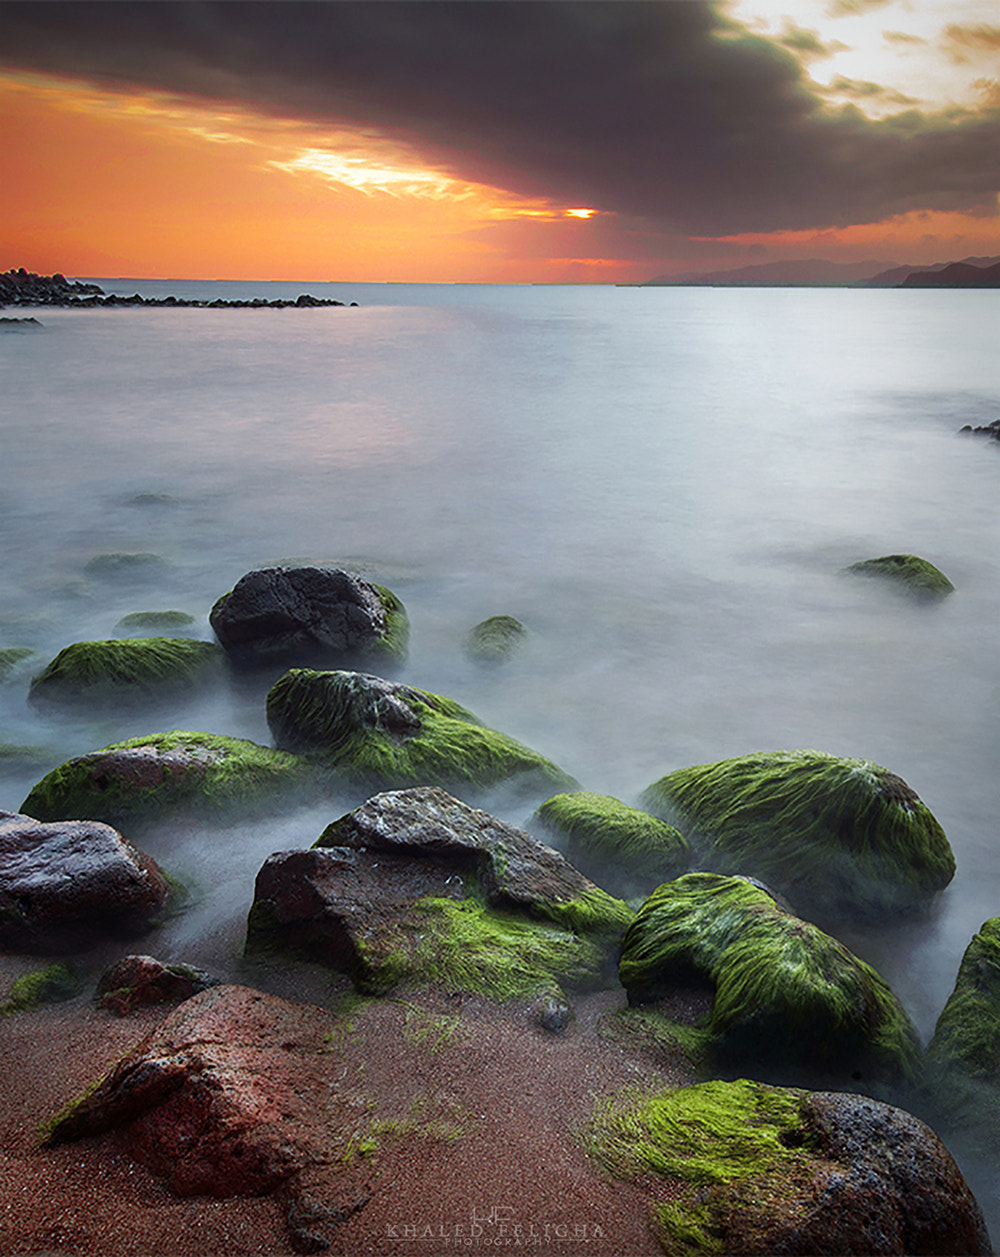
107	184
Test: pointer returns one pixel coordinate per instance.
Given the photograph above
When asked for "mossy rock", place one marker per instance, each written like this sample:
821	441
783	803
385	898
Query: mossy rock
740	1167
962	1071
130	565
619	847
907	572
142	779
130	669
787	996
10	657
155	623
495	639
383	735
43	986
838	837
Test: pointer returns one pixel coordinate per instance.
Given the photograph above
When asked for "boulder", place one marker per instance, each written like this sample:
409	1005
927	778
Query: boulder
309	616
495	639
417	887
126	566
384	735
908	573
42	986
787	996
69	885
132	670
142	779
620	847
12	658
155	624
739	1167
838	837
137	980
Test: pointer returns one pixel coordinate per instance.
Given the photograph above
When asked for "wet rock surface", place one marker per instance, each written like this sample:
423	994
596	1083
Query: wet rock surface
68	885
137	980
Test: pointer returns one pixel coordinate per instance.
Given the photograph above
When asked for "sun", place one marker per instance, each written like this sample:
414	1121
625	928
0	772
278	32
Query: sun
580	213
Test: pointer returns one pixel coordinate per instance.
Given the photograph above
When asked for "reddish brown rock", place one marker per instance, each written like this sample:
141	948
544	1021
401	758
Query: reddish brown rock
66	885
137	980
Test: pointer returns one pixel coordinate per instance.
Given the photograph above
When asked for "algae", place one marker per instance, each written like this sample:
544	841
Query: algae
837	836
495	639
140	622
911	574
381	735
43	986
620	847
120	668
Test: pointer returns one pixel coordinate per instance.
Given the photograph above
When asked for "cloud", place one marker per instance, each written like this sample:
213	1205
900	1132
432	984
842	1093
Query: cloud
965	42
807	43
851	8
861	89
663	113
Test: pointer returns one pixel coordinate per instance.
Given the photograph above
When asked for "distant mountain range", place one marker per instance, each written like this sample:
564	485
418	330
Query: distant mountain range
972	272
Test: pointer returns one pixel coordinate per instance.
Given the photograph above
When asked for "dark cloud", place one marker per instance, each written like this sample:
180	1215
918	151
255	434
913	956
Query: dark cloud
664	112
861	89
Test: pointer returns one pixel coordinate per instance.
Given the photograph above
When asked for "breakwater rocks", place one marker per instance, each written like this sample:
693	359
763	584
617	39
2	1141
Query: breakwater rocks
24	288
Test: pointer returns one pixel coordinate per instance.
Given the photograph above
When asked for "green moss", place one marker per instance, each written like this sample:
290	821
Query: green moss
139	667
837	836
913	575
967	1035
141	779
593	913
646	1030
786	994
143	621
44	986
687	1227
495	639
125	563
395	642
617	846
385	736
467	946
10	657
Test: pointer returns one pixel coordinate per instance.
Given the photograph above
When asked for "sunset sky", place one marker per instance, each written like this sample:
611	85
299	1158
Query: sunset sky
489	141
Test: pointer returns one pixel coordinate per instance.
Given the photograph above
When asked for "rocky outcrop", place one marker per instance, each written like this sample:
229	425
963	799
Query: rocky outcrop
132	670
787	996
908	573
839	837
25	288
494	640
417	887
137	980
69	886
619	847
383	735
746	1168
309	616
142	779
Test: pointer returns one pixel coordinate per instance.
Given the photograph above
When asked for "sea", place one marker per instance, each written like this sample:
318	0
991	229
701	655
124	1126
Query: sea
664	485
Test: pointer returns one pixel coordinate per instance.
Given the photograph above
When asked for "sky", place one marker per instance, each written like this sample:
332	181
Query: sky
521	141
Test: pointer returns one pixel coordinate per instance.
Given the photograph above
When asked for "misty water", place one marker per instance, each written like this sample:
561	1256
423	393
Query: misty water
663	485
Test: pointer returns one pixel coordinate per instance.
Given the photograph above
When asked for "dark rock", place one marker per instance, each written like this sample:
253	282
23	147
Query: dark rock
137	980
69	885
303	615
552	1014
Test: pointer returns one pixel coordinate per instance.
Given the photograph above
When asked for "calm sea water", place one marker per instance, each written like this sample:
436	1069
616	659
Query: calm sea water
662	484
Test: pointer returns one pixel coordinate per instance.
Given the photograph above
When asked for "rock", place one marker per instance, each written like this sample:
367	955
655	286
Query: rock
142	779
495	639
552	1014
126	566
759	1170
383	735
787	996
137	980
912	575
11	657
155	623
130	669
235	1094
838	837
416	887
309	615
69	885
43	986
620	847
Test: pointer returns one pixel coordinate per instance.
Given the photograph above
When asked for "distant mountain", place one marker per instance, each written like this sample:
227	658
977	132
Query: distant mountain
957	275
803	272
899	275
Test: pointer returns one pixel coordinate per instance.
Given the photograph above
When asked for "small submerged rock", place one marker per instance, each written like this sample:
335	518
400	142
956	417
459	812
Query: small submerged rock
907	572
309	616
134	670
44	986
126	565
70	885
155	624
382	734
496	639
137	980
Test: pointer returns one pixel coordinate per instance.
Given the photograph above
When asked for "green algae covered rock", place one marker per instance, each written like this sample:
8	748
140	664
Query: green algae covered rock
618	846
10	659
43	986
914	576
739	1167
141	779
383	735
962	1073
155	623
415	887
125	669
838	837
786	994
495	639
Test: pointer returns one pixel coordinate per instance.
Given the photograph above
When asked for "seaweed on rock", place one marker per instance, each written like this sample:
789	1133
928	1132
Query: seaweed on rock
124	668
